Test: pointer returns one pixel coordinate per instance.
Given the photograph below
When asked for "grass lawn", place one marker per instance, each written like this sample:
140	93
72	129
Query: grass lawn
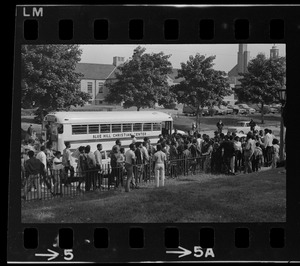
256	197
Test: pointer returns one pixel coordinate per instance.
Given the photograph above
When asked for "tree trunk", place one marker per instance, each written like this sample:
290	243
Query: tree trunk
198	116
262	113
138	108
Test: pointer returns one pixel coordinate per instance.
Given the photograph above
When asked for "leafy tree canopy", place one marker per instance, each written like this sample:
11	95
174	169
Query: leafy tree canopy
264	78
49	80
141	81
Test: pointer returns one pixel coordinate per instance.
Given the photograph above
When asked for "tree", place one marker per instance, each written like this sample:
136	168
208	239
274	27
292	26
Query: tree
49	81
202	85
262	81
141	81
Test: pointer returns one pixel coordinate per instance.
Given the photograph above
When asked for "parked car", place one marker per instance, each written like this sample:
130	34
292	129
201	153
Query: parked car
228	110
236	109
249	110
274	110
219	111
242	127
190	110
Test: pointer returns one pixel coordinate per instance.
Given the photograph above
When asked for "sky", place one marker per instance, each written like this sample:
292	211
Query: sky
226	54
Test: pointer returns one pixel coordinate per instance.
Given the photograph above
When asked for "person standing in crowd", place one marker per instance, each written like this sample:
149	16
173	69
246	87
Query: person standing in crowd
98	158
268	139
33	168
252	125
133	139
248	153
238	153
82	166
159	159
29	133
220	126
43	158
91	169
113	163
275	153
186	156
48	134
228	153
173	159
208	154
146	162
116	147
50	156
138	167
194	154
121	167
129	162
57	172
257	157
67	163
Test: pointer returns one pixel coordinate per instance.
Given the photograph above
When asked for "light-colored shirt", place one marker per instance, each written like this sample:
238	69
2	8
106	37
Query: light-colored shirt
129	156
159	157
145	154
268	140
43	158
237	145
66	157
98	157
250	146
57	166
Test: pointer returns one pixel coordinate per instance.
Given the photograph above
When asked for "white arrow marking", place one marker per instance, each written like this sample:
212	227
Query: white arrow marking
183	252
51	256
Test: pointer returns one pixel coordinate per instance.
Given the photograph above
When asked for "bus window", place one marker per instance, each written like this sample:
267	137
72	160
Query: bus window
60	129
79	129
127	127
103	154
147	127
105	128
93	129
116	128
156	126
137	127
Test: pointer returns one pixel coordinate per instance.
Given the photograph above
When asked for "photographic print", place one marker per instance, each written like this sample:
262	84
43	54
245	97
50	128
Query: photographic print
140	133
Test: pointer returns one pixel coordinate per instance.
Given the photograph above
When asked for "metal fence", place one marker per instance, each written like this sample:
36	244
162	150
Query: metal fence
68	182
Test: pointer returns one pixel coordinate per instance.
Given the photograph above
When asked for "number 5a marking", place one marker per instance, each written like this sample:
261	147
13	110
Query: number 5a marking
68	255
198	251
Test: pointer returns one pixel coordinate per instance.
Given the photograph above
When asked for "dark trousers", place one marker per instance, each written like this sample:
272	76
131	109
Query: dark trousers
67	179
90	179
269	156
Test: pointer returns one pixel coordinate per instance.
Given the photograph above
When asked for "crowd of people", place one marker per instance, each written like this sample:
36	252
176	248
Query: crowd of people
171	156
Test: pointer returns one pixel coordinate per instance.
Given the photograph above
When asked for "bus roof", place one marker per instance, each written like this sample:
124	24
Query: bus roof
109	117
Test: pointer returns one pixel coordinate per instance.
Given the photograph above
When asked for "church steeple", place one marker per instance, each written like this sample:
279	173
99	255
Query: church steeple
274	52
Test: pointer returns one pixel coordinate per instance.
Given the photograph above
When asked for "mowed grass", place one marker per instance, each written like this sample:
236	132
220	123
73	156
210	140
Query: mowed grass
257	197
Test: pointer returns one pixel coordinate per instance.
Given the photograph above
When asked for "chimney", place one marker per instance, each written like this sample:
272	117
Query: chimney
246	60
117	60
240	63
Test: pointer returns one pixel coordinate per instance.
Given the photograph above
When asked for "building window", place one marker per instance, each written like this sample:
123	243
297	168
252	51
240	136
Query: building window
90	87
100	87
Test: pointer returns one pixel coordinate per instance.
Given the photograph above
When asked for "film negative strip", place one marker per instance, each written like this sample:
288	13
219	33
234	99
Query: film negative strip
76	216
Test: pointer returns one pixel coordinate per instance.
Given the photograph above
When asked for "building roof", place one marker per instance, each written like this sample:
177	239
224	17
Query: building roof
174	75
96	71
233	72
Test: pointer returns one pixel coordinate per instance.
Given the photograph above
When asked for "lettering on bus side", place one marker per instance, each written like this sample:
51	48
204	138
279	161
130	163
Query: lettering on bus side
97	136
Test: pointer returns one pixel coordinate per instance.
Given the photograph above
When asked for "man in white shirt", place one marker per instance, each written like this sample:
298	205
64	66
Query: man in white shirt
248	152
268	139
57	167
129	162
159	158
43	158
66	161
98	158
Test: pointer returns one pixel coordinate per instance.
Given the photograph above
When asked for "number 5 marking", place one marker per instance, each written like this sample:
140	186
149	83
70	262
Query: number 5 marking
68	254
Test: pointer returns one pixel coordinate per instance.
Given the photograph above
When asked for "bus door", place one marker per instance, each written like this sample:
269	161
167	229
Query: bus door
167	127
